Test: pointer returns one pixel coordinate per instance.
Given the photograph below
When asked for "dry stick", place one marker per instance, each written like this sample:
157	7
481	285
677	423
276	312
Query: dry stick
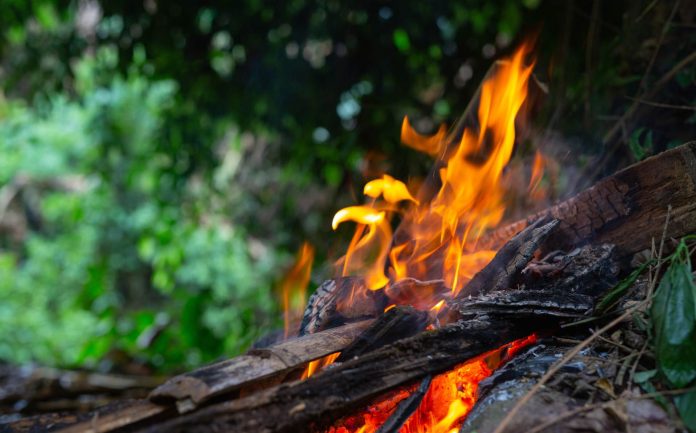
573	352
661	105
635	364
665	28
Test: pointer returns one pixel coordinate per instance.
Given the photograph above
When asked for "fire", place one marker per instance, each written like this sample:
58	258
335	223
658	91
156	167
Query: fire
449	398
437	240
438	234
316	365
431	145
293	287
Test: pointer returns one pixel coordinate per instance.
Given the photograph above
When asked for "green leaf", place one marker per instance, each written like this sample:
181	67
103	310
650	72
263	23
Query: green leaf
644	376
401	40
686	405
674	318
610	299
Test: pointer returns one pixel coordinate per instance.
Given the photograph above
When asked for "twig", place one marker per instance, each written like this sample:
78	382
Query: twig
665	28
658	266
646	10
661	105
635	364
649	95
620	124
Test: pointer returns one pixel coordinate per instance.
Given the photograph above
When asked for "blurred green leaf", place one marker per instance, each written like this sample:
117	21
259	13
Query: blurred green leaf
686	405
401	40
674	319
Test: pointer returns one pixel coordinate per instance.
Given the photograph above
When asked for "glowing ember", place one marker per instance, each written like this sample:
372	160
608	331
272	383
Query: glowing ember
449	399
293	287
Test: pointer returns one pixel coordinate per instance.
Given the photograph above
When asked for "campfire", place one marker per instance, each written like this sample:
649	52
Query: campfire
434	292
433	254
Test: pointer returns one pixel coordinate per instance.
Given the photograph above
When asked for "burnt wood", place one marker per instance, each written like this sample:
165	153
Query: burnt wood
627	209
338	301
511	259
395	324
569	289
191	389
406	408
335	391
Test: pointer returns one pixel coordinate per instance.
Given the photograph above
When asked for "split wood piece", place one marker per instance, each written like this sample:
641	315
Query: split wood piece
589	270
509	261
191	389
569	288
334	392
339	301
395	324
627	209
406	408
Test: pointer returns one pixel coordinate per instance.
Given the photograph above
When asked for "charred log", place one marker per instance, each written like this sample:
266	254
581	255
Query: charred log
340	301
191	389
627	209
296	406
395	324
511	259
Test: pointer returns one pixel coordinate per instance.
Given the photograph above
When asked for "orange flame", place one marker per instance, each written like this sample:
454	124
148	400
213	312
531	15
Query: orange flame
316	365
432	145
470	199
293	287
437	238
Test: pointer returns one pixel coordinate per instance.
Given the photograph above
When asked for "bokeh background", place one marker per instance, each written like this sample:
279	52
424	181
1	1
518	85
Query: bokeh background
160	162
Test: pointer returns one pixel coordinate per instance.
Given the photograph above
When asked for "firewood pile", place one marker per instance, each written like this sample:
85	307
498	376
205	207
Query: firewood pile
551	284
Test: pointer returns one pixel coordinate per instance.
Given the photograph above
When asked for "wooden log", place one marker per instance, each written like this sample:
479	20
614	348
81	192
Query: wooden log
395	324
108	418
509	261
627	209
334	392
191	389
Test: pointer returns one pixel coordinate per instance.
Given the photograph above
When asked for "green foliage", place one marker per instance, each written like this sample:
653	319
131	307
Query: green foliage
105	179
686	405
674	321
640	148
612	297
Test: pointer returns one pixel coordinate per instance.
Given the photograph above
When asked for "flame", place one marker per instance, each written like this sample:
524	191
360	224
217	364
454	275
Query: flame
437	237
293	287
393	190
432	145
367	252
444	407
316	365
437	240
470	198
